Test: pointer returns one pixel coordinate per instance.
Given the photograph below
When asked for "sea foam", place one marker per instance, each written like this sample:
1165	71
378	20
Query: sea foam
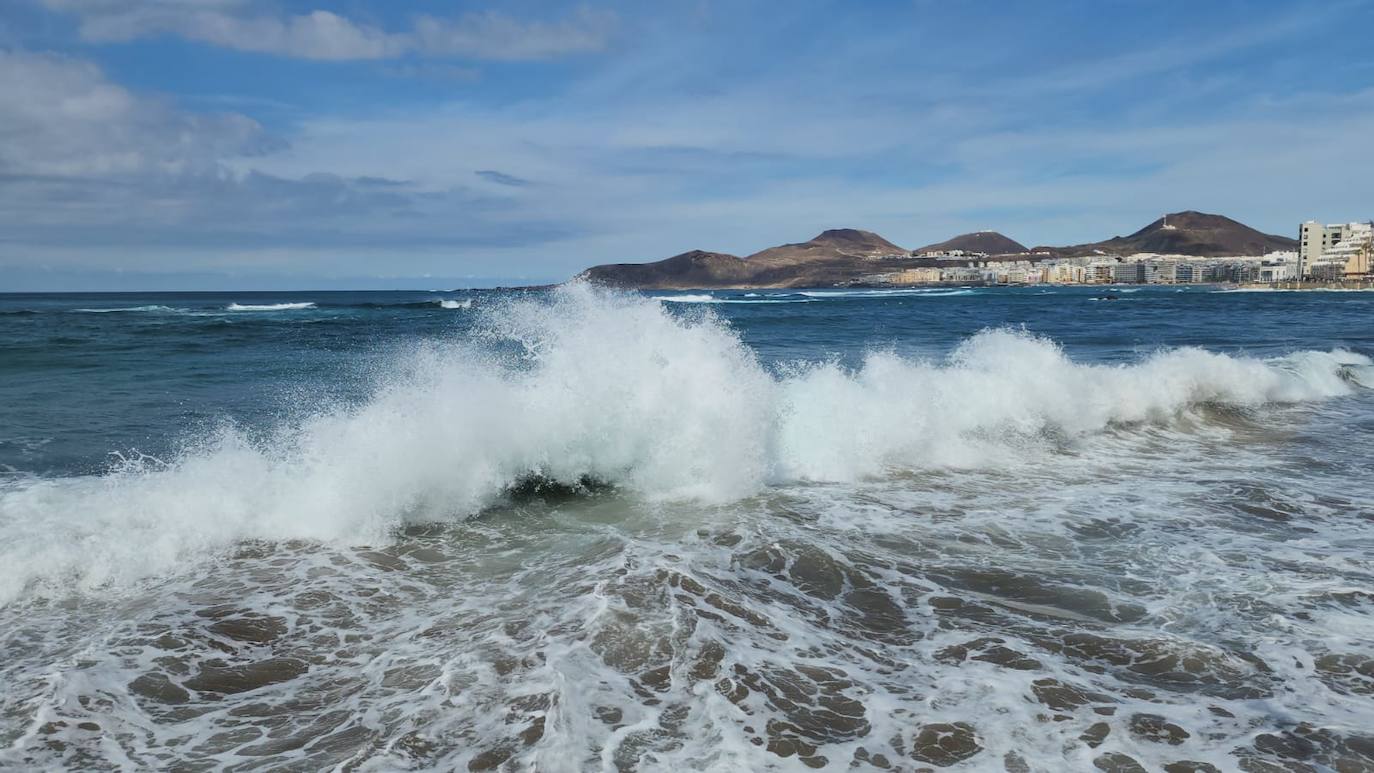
270	306
590	385
154	309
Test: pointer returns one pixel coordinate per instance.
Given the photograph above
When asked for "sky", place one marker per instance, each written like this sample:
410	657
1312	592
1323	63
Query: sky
277	144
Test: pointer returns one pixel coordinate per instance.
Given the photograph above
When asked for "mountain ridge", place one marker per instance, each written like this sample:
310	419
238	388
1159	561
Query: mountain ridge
850	255
1197	234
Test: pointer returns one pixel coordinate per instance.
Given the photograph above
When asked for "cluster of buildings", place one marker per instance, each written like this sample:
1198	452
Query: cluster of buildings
1131	269
1327	253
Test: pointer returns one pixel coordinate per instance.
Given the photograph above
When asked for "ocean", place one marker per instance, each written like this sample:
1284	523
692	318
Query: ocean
1022	529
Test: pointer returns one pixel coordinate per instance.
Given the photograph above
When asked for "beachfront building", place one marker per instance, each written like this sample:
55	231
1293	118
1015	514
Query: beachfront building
1160	272
1269	273
1316	240
961	274
1128	273
1347	259
1100	271
1066	273
915	276
1187	273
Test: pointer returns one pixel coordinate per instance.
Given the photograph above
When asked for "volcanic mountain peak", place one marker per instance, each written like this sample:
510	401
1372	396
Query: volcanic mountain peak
1190	220
828	245
852	236
987	242
1190	233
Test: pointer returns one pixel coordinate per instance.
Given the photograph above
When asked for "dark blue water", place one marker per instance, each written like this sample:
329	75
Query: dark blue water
1022	529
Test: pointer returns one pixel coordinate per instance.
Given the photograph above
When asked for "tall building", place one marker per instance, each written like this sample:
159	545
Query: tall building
1315	239
1128	273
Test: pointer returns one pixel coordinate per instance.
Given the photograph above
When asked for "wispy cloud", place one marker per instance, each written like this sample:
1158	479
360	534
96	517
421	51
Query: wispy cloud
498	37
501	178
324	35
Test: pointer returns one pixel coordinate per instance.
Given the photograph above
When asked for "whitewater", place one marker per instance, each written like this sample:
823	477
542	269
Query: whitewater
591	530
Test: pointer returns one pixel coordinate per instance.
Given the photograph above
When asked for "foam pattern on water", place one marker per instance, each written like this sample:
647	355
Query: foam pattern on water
1028	618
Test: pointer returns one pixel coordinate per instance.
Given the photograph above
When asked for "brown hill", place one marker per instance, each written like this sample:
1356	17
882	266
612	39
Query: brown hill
834	257
986	242
689	271
1188	233
828	245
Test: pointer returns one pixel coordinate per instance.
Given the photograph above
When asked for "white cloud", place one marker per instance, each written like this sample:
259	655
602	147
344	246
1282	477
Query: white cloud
86	161
324	35
63	117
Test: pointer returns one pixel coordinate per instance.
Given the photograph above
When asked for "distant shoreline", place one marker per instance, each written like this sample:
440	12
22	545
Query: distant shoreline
1213	249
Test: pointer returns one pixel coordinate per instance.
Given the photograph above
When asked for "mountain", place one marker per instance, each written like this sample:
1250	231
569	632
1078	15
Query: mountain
832	257
850	256
986	242
828	245
1187	233
689	271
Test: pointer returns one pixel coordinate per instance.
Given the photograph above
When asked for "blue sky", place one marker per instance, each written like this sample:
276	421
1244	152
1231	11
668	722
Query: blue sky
205	144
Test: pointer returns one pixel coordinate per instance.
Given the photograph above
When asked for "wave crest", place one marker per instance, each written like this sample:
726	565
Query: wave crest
594	386
270	306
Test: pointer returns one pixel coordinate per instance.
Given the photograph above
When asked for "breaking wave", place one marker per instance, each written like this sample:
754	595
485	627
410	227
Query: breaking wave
269	306
689	298
454	304
749	298
584	385
151	309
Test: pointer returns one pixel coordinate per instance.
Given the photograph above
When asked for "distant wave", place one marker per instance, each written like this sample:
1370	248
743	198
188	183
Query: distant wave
455	304
687	298
270	306
586	385
750	298
895	292
1295	290
154	309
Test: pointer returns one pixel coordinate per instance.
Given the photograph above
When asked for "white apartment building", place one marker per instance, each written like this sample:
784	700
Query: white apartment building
961	274
1348	258
1275	272
1161	272
1315	239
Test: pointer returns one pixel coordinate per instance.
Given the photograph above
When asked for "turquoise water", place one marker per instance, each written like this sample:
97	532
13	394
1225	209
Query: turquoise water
1029	528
